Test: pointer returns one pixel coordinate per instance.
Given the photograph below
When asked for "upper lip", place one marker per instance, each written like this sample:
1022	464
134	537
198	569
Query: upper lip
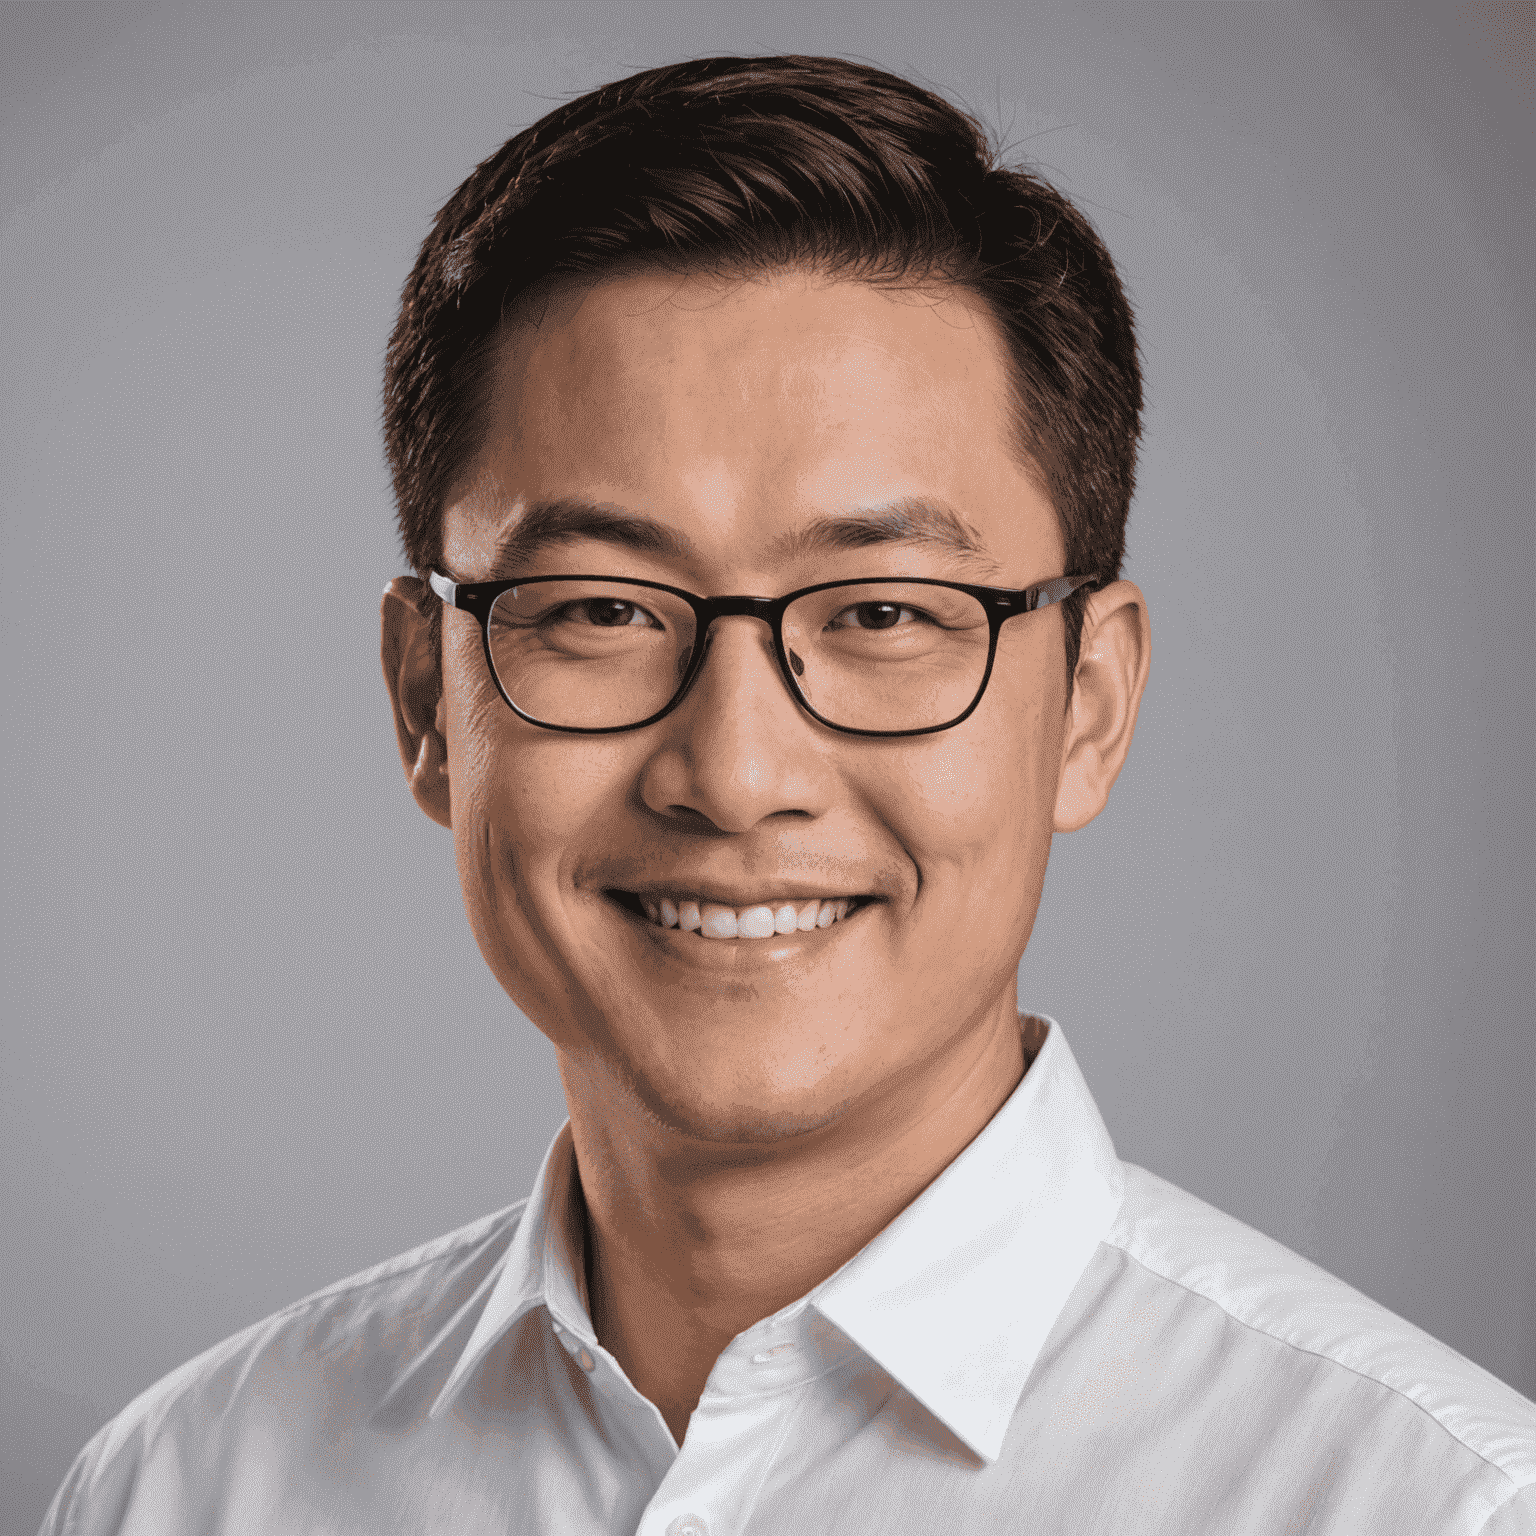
731	895
744	878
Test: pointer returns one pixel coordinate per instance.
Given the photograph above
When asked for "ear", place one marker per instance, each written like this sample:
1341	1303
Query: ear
1112	665
413	675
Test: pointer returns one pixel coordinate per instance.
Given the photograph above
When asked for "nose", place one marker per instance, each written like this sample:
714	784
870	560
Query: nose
738	749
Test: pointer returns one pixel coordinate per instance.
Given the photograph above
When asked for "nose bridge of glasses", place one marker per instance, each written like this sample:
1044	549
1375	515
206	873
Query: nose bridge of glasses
738	607
709	609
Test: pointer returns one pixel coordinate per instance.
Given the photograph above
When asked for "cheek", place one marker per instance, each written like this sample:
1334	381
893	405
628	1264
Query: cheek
520	795
526	802
976	803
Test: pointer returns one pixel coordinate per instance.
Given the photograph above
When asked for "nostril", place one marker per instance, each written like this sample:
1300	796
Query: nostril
797	665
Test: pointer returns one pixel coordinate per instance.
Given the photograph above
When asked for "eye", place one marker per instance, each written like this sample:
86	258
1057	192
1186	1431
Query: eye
874	616
607	613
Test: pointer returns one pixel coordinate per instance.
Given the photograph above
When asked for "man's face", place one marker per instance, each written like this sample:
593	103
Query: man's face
736	415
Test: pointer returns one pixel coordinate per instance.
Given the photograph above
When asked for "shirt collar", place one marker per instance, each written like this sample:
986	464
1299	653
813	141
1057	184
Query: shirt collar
544	1265
954	1299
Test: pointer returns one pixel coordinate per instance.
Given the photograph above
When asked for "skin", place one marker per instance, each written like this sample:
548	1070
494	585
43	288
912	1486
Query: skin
748	1114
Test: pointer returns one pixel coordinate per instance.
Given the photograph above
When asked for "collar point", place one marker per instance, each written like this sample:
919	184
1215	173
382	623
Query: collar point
985	1442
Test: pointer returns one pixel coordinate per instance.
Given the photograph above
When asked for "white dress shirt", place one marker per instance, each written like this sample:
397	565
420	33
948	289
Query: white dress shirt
1046	1340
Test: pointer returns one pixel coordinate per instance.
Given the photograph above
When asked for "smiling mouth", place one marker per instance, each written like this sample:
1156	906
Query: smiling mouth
763	920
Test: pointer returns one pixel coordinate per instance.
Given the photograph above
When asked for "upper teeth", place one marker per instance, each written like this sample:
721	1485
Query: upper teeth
712	921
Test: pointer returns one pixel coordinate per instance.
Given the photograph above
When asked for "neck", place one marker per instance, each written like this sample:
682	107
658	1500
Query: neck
690	1243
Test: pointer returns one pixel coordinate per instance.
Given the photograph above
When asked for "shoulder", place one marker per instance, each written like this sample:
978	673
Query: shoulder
359	1334
1288	1309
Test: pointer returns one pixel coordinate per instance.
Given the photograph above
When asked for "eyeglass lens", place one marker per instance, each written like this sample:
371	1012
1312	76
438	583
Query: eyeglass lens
876	656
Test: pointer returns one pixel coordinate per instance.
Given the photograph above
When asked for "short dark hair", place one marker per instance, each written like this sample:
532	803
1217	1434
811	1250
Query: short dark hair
743	164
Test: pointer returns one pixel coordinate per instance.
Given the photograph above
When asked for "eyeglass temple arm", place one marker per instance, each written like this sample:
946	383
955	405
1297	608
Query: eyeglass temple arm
1056	590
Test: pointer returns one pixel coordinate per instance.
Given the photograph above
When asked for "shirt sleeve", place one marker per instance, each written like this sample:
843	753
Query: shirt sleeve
92	1500
1515	1517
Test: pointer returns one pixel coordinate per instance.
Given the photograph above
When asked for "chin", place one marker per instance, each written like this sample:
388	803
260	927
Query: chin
744	1107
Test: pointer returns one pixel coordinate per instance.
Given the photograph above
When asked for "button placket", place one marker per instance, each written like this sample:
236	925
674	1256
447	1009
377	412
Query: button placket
734	1432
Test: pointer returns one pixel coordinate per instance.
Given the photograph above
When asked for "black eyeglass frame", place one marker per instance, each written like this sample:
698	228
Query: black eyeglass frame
1001	603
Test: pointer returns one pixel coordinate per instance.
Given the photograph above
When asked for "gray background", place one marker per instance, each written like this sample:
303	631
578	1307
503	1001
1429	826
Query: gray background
249	1044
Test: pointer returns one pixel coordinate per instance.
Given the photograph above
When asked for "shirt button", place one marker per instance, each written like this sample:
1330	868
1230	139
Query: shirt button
688	1525
587	1363
763	1356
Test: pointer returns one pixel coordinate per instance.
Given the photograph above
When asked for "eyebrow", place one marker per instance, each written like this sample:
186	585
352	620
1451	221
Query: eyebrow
565	519
914	521
917	521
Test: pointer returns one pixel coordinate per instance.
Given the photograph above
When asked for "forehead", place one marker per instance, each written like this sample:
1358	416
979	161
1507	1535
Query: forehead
734	409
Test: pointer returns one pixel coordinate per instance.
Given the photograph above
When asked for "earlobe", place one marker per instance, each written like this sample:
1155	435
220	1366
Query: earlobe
413	675
1113	662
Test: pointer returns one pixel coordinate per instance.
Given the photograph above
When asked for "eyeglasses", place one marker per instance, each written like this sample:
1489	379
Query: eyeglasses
597	654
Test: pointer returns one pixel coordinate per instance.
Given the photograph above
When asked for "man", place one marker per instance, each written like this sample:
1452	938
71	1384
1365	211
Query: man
764	452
